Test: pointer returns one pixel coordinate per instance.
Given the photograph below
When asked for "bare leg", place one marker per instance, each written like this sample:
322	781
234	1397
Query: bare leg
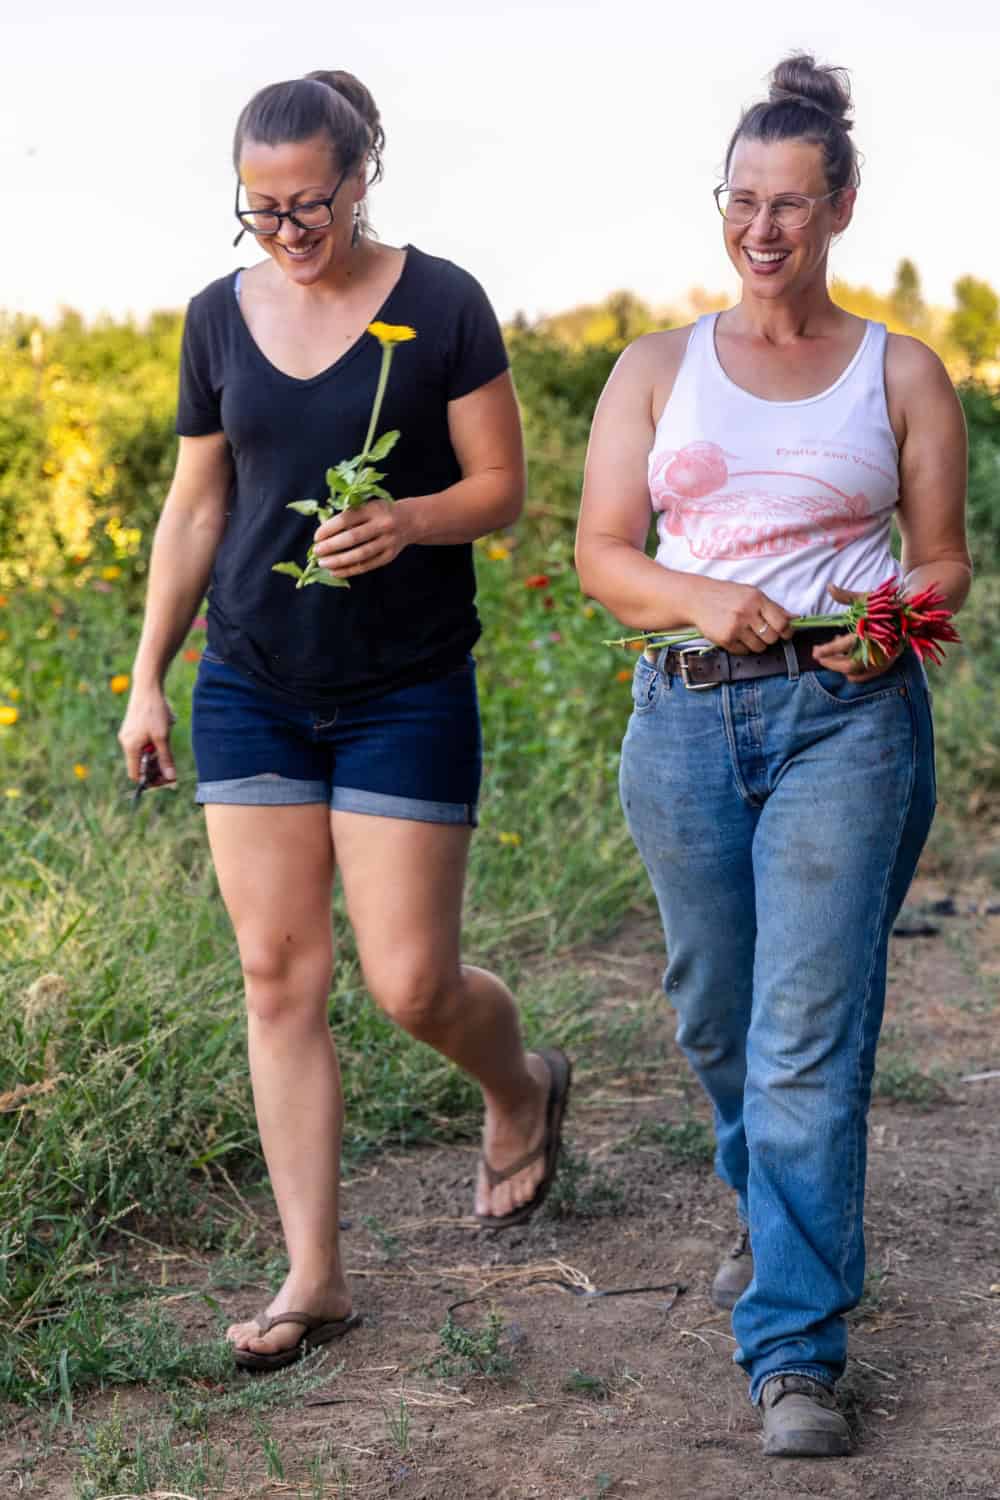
403	884
275	869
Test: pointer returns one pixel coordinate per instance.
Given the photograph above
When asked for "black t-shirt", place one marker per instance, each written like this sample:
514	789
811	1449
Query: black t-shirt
417	615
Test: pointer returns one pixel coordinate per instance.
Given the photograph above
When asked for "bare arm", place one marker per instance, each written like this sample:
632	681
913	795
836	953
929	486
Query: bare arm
615	516
485	430
933	470
187	536
930	430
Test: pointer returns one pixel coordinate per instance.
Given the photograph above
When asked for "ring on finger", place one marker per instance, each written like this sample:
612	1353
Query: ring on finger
762	629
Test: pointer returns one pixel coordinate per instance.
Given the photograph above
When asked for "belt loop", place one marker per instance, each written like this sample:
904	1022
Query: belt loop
661	666
791	661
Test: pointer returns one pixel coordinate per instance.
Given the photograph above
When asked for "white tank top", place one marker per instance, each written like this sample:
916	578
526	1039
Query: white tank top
785	495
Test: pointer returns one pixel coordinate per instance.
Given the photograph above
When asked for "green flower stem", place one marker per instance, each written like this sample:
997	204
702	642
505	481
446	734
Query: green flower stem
383	378
678	637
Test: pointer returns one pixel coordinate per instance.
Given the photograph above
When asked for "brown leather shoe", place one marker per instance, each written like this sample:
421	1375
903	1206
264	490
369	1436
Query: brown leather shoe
735	1273
801	1419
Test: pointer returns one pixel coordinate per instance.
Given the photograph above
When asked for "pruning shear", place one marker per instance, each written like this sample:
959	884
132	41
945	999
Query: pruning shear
150	774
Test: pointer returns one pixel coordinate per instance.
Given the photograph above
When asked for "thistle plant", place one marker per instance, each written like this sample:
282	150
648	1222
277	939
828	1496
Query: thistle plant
354	481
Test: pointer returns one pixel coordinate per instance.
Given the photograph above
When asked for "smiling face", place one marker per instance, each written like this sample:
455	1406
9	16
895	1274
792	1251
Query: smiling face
772	261
294	173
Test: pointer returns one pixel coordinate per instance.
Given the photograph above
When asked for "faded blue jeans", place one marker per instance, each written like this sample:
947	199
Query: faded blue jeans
780	821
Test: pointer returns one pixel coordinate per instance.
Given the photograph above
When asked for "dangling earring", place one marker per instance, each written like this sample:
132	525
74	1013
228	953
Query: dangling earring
356	231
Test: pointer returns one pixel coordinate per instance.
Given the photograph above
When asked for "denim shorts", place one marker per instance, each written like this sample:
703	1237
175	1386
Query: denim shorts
413	753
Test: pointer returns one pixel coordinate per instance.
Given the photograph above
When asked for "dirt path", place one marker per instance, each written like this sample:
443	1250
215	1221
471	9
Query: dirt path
636	1396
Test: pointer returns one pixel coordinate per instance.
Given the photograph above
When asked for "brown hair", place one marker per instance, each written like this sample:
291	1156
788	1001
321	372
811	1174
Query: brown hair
334	104
806	102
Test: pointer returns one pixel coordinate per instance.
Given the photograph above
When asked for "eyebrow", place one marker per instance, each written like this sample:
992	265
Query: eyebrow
307	193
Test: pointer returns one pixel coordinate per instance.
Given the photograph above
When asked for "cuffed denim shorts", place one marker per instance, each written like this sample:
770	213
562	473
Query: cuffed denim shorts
414	752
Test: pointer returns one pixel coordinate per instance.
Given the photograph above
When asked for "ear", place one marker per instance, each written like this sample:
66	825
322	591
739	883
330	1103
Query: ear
843	209
359	184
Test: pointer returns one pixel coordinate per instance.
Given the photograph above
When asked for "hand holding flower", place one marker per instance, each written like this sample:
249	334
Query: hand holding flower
360	540
356	497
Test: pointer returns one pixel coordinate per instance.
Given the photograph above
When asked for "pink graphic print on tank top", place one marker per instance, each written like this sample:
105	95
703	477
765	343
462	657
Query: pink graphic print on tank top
725	511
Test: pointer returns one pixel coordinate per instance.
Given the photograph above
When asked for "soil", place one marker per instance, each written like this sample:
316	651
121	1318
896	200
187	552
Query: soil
637	1395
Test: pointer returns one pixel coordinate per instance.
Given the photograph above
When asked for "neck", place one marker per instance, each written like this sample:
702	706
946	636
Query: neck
805	313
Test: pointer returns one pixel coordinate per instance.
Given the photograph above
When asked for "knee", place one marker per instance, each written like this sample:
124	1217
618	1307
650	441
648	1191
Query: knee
285	987
419	999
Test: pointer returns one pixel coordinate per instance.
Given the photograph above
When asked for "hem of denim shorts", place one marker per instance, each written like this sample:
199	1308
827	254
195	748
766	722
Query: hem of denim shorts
386	805
819	1373
266	790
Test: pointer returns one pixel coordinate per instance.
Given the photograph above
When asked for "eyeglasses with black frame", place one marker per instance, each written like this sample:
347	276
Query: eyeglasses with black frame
265	222
787	210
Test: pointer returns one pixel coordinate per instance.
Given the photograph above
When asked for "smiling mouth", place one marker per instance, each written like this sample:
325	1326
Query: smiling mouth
301	252
765	257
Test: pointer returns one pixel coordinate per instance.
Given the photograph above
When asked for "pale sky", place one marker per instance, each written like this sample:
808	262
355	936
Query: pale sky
557	151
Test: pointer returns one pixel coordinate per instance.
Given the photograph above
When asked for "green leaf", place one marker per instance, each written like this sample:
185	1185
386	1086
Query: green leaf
304	507
380	494
292	569
384	446
332	583
338	483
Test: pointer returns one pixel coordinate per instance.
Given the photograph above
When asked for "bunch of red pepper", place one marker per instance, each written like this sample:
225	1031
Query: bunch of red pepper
885	621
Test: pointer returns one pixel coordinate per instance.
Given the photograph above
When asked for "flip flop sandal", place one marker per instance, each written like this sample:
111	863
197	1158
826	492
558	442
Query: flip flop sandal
315	1332
560	1077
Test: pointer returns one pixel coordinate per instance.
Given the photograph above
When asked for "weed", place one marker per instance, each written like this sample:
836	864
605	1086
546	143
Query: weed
582	1191
594	1387
689	1141
899	1080
389	1244
273	1460
471	1352
399	1423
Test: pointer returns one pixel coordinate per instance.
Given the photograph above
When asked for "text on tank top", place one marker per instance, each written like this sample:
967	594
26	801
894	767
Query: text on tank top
787	496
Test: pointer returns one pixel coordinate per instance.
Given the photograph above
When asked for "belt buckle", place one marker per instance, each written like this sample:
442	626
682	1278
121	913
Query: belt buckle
684	653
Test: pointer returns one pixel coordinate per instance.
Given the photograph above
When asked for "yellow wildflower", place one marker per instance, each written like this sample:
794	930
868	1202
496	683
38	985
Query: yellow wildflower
392	333
497	552
589	611
513	839
12	792
111	573
119	683
80	772
14	695
8	713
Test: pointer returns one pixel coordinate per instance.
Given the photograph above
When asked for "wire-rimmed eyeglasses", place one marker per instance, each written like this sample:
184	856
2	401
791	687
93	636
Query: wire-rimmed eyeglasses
787	210
265	222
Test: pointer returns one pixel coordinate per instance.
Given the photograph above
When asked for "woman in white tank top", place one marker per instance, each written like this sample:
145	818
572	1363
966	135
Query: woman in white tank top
781	811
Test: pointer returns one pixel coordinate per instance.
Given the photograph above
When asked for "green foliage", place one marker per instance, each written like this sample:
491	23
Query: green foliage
468	1351
975	324
981	405
582	1191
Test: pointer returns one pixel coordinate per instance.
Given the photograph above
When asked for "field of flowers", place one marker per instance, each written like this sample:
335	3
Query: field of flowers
122	1082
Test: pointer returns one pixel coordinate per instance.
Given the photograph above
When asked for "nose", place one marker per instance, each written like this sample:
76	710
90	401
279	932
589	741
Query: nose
768	226
288	232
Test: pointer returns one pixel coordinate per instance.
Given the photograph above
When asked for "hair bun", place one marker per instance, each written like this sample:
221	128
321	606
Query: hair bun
360	98
799	79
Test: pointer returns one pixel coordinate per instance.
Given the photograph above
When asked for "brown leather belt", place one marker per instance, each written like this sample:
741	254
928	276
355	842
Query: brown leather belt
709	666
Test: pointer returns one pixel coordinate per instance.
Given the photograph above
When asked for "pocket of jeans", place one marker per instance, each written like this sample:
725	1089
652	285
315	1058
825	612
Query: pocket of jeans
645	687
210	656
835	688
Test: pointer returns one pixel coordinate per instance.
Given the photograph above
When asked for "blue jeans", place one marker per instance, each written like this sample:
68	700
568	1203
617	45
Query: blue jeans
780	821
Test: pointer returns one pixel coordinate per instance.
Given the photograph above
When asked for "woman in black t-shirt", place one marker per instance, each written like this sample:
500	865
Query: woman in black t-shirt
338	727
